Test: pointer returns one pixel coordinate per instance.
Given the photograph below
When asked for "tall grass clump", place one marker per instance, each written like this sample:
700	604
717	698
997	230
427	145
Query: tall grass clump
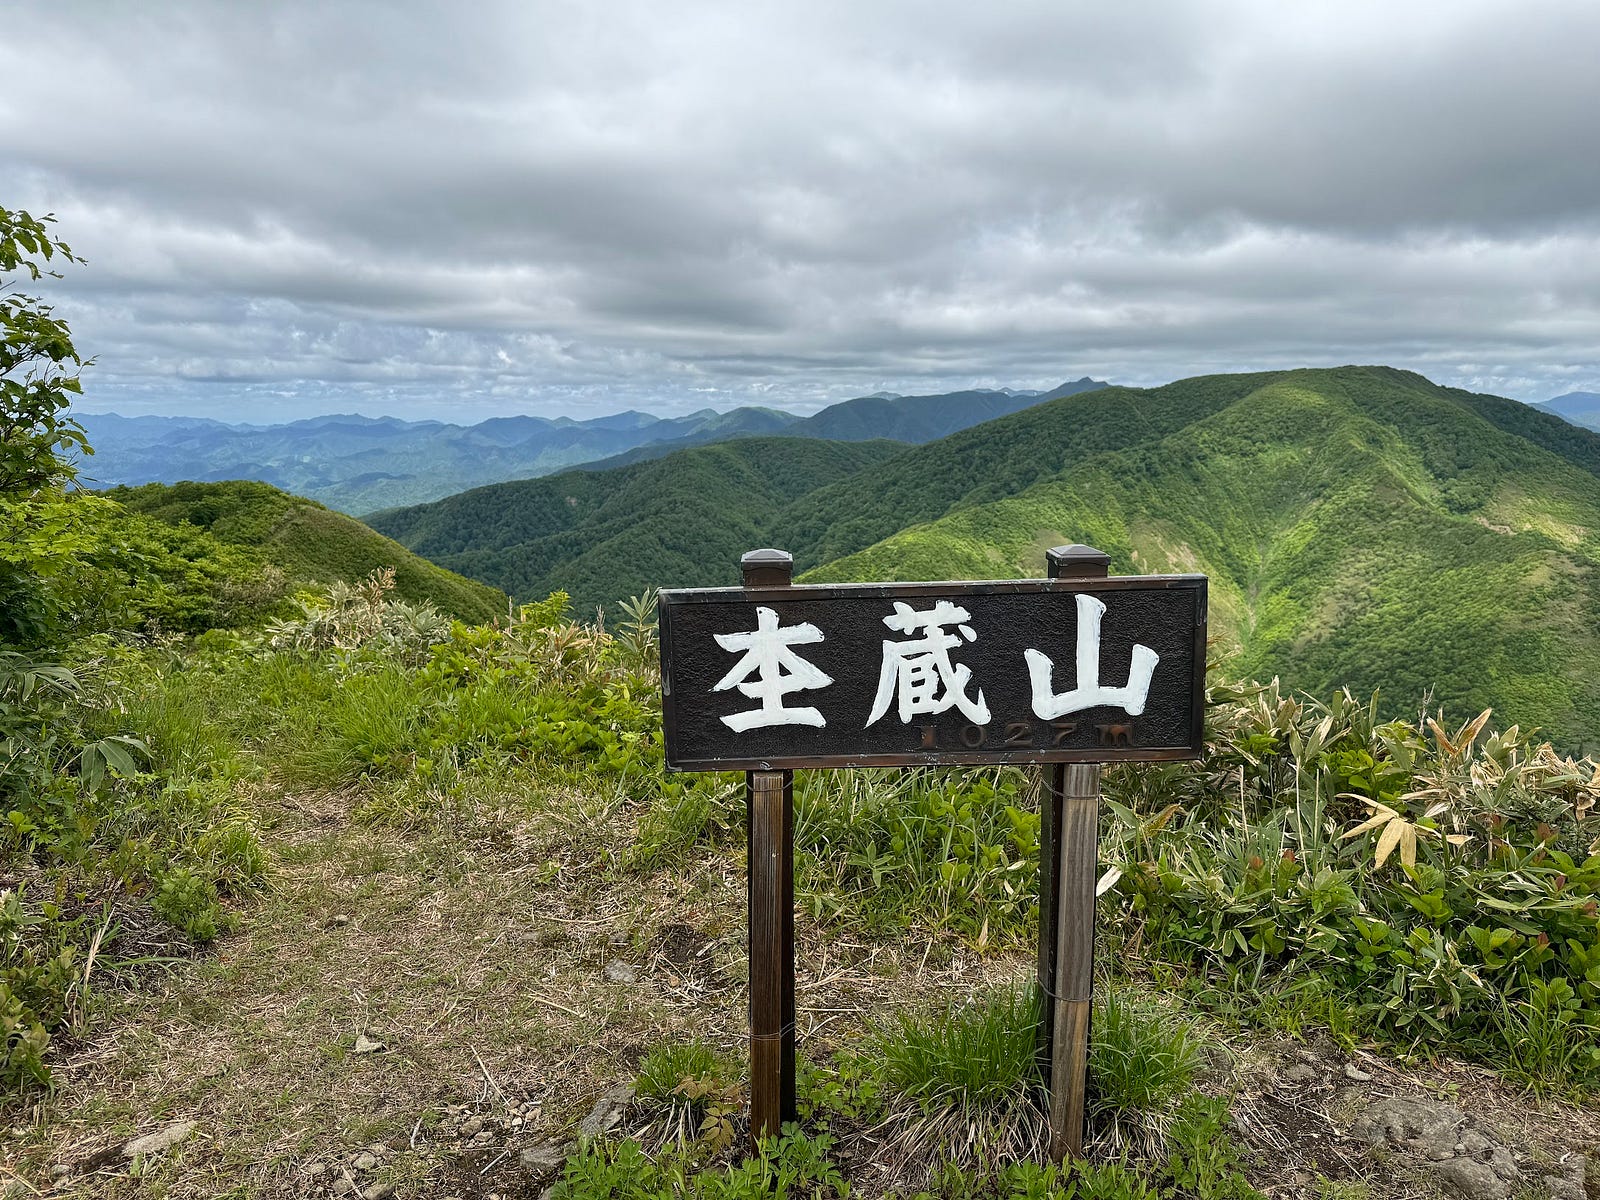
982	1053
966	1078
370	726
696	1092
1142	1060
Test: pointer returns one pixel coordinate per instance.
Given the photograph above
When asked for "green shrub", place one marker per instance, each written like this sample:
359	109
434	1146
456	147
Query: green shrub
41	984
848	1085
1443	888
1203	1161
188	902
668	1066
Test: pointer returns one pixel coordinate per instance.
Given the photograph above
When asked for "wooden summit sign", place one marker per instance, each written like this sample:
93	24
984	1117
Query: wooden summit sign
1073	671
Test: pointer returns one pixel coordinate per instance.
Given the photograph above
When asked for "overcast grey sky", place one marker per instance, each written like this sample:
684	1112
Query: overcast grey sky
468	209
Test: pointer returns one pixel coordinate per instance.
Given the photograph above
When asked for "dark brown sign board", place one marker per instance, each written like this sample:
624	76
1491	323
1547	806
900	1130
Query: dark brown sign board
871	675
1071	671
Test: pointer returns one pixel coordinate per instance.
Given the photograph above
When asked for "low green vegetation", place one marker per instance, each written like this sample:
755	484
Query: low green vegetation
279	542
1434	887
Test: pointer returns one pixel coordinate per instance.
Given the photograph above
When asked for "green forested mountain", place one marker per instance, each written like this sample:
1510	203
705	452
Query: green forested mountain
924	418
993	460
305	542
602	536
1359	525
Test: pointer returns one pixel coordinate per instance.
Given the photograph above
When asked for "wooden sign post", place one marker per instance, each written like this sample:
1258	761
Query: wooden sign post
1069	822
1070	671
769	797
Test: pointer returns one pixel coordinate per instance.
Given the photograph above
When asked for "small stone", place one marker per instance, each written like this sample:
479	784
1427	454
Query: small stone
618	971
364	1162
1351	1071
544	1156
367	1044
154	1143
607	1111
316	1168
471	1128
378	1191
343	1186
1570	1185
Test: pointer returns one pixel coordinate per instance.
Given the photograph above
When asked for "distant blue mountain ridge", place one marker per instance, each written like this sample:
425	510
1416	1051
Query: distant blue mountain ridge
361	464
1580	408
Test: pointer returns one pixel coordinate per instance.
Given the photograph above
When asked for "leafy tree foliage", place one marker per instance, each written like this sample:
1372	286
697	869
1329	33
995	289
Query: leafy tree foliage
41	531
38	362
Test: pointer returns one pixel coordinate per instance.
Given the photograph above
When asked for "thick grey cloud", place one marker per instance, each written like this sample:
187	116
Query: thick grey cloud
459	210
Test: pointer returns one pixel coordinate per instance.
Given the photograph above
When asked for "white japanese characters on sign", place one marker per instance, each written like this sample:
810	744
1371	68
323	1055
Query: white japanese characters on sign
917	674
1089	693
920	672
778	670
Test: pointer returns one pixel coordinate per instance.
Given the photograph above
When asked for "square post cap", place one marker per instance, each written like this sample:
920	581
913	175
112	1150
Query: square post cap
767	568
1076	561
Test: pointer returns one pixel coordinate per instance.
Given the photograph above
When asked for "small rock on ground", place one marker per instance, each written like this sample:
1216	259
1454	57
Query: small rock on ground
607	1111
544	1156
1452	1148
162	1139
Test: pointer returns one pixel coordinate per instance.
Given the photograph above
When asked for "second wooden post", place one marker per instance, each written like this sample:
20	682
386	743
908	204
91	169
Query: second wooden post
1068	869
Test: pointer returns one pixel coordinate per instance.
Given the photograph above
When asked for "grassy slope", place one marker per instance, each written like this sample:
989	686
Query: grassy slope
601	536
1360	526
309	543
